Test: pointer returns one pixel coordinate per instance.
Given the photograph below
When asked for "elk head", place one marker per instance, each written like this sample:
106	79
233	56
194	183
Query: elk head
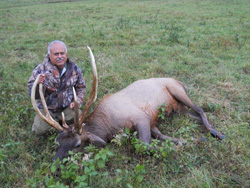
70	137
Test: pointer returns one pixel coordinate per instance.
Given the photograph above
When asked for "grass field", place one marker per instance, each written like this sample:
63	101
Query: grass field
204	44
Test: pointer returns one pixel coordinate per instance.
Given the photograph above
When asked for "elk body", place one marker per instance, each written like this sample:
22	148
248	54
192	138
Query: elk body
134	107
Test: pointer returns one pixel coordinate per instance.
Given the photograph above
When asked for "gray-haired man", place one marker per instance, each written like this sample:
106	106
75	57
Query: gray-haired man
59	75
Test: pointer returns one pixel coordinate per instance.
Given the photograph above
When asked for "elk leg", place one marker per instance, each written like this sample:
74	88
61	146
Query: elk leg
158	135
195	116
143	130
203	117
205	122
181	95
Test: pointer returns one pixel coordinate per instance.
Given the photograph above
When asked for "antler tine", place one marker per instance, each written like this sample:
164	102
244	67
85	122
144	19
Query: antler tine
47	118
93	94
64	124
76	109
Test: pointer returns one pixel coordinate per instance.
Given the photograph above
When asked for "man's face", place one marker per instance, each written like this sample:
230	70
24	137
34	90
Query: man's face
58	55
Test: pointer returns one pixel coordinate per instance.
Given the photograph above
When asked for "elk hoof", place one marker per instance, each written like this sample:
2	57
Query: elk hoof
216	134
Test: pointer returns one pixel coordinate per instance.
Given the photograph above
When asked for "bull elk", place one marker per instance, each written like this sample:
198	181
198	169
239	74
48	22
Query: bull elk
134	107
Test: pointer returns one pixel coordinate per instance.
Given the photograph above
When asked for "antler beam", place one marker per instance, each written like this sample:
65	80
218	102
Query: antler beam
93	93
47	118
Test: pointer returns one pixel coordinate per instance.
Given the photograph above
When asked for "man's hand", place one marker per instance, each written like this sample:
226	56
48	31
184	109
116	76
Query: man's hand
72	105
41	79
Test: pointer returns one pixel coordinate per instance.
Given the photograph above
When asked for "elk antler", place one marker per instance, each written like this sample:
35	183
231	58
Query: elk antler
76	109
93	93
47	118
64	124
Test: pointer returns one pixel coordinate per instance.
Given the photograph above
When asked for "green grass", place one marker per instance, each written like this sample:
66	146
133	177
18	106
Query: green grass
204	44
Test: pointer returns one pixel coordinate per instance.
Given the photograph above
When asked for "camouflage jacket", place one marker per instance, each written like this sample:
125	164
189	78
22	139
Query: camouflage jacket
58	89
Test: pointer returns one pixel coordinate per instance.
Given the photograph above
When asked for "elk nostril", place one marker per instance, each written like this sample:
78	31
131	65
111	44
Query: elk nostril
78	144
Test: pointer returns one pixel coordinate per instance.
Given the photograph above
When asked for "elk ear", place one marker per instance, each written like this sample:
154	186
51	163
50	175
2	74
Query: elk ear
95	140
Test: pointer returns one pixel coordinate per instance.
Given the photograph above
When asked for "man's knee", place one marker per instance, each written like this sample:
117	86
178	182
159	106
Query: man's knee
40	127
40	130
